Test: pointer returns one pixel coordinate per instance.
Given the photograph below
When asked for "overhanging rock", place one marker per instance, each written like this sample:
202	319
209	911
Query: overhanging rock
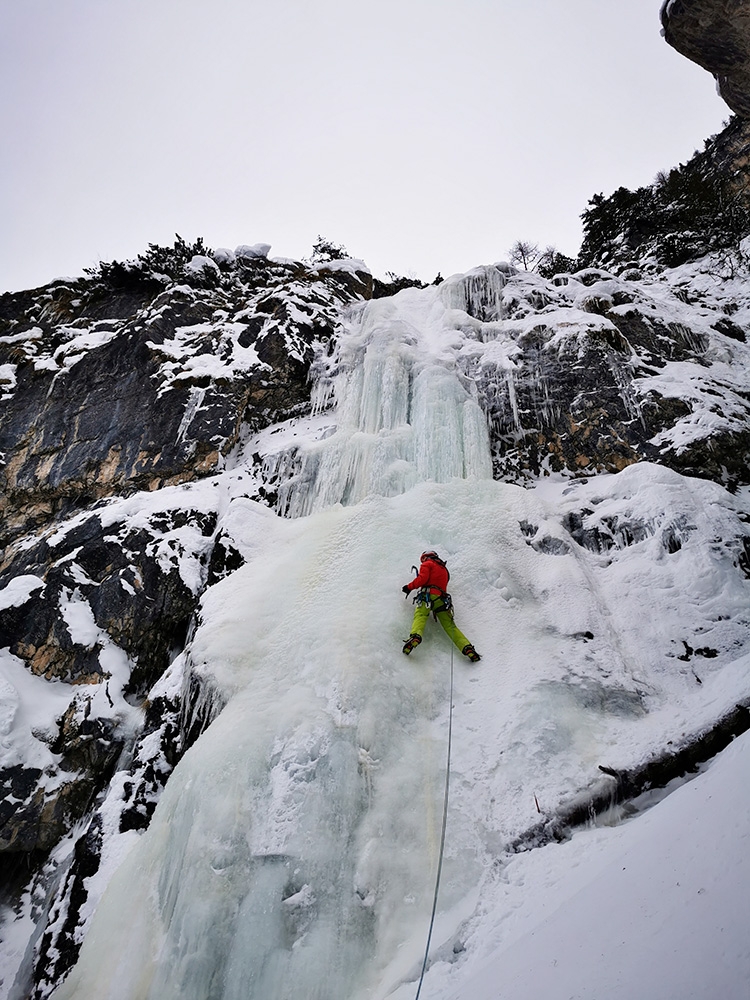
716	35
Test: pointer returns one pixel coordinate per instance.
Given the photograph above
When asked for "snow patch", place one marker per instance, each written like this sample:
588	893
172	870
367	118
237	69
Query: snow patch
19	590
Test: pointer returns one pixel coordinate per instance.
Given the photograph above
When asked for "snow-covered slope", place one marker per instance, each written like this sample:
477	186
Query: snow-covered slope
294	849
656	908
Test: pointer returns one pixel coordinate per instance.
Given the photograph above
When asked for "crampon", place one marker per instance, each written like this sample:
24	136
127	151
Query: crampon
411	643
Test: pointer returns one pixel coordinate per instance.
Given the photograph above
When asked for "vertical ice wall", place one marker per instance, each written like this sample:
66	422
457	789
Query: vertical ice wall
293	853
404	412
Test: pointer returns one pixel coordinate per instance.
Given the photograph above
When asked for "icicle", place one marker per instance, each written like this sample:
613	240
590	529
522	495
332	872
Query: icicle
194	403
478	292
403	412
511	383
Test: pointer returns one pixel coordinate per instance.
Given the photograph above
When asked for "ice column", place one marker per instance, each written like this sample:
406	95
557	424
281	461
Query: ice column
479	292
405	414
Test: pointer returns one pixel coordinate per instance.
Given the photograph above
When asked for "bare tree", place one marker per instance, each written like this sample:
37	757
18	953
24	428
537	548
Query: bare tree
547	262
524	254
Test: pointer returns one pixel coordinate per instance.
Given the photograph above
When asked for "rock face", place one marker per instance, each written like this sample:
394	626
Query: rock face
108	390
716	35
593	385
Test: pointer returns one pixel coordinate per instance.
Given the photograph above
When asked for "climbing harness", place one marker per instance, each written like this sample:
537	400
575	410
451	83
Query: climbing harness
436	599
447	602
441	601
442	838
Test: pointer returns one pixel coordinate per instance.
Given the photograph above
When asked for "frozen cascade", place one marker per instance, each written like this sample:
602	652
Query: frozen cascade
405	413
294	850
479	292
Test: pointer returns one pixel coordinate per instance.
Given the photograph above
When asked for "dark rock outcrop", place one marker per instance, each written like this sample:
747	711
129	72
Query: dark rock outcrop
591	387
108	392
715	34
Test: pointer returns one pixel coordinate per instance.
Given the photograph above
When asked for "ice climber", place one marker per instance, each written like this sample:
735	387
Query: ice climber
432	596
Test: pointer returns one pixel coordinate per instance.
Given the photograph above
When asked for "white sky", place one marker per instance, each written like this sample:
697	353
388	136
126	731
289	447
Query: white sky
424	135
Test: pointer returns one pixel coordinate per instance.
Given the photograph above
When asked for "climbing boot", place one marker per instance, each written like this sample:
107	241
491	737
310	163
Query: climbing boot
412	642
470	652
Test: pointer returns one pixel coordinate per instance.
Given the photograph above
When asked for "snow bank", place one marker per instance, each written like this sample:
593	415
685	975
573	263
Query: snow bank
19	590
244	252
655	908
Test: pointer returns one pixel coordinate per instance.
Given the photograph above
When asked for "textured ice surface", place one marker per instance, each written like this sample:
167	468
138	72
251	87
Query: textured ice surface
294	850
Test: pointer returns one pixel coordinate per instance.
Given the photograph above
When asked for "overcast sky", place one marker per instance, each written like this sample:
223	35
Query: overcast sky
424	135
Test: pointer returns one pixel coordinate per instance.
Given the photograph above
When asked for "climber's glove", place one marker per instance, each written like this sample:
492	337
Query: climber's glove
405	589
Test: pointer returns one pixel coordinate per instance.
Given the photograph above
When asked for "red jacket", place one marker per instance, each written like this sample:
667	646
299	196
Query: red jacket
431	574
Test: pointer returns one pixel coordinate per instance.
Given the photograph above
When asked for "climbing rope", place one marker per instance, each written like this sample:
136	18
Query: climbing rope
442	838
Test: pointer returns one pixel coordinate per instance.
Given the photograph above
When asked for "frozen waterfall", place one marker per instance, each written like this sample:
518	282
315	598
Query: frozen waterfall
405	411
294	851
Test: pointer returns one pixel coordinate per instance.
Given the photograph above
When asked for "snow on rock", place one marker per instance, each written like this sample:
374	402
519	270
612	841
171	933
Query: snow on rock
244	252
347	265
19	590
30	708
7	380
199	264
223	256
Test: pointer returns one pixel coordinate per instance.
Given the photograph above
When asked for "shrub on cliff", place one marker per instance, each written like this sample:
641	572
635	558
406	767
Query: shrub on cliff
325	251
157	267
691	210
395	283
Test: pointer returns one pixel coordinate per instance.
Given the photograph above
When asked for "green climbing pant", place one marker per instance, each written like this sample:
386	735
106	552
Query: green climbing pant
454	633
